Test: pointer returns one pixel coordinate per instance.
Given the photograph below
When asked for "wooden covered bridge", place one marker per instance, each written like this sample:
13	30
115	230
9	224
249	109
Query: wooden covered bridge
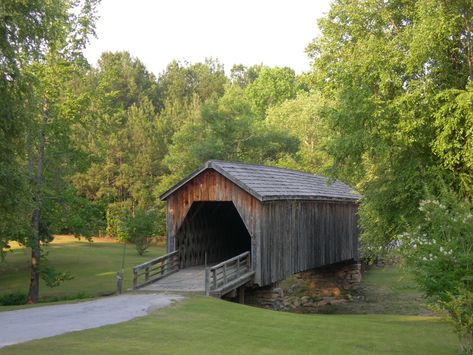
253	224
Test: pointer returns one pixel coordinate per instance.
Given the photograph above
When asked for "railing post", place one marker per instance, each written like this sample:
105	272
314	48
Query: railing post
207	282
162	267
135	279
214	279
147	273
224	273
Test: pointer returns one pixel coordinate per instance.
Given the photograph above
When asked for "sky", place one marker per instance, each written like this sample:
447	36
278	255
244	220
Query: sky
273	33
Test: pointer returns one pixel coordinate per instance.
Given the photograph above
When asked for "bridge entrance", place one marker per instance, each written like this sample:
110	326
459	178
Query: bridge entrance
212	228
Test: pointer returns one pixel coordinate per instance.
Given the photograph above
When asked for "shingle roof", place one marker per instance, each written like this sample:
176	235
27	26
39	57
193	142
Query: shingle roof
270	183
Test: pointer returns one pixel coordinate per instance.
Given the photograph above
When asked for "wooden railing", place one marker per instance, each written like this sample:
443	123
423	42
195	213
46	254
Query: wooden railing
228	275
155	269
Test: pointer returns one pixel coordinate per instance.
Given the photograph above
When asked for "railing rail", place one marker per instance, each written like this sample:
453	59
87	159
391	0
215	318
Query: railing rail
226	273
155	269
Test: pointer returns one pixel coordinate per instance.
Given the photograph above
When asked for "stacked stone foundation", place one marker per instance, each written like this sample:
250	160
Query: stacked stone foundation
311	290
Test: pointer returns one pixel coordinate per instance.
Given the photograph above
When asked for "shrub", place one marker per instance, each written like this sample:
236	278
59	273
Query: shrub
139	228
460	310
439	250
13	299
134	225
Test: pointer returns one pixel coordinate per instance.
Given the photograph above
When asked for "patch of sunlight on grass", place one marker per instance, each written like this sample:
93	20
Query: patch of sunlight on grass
108	273
93	267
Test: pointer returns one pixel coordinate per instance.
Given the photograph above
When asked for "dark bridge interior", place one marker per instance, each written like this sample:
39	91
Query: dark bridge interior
214	228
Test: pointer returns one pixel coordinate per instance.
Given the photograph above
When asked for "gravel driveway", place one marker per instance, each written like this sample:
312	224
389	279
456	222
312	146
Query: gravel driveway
41	322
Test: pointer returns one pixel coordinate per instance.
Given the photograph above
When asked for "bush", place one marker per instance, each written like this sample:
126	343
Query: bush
139	229
134	225
439	251
13	299
460	310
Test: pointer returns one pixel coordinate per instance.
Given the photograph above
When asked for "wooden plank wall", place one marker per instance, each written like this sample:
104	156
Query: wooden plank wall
212	186
287	236
301	235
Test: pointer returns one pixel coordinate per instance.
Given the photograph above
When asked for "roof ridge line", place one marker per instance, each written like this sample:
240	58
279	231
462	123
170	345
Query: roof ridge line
267	183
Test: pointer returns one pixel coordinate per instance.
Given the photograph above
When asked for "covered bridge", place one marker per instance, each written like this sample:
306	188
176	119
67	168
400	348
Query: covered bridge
289	221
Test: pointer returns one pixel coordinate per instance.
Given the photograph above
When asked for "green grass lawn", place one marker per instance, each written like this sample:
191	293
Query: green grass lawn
93	266
202	325
388	290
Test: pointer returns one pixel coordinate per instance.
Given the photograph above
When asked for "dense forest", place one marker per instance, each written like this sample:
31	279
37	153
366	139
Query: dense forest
387	108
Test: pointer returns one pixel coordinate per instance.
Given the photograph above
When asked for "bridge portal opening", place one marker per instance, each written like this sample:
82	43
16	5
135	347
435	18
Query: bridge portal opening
215	228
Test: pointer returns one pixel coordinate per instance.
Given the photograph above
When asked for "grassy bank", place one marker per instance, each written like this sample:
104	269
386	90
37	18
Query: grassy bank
93	267
209	326
201	325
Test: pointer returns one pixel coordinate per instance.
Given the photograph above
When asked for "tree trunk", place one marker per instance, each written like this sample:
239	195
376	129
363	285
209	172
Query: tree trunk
33	294
36	177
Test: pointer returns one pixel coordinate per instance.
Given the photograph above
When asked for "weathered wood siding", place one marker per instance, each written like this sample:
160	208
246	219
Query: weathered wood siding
301	235
287	236
212	186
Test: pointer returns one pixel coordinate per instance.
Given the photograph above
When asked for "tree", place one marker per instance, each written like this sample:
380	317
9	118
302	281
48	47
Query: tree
272	87
400	77
225	128
180	82
389	80
47	37
120	135
243	76
24	36
301	117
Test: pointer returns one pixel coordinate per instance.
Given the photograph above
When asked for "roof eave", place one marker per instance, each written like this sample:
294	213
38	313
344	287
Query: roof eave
209	165
182	182
311	198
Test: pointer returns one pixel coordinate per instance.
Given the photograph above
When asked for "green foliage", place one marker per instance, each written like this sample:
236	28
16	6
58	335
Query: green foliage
13	299
460	309
273	86
243	76
28	32
140	228
181	82
226	129
454	134
440	252
53	277
398	75
134	225
40	47
301	117
116	215
440	246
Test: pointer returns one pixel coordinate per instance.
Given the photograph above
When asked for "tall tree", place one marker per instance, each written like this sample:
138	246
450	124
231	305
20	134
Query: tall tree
400	77
243	76
272	87
118	91
225	128
25	35
301	117
35	34
399	73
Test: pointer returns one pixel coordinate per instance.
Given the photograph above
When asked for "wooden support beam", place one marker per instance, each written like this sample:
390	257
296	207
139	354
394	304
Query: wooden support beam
241	295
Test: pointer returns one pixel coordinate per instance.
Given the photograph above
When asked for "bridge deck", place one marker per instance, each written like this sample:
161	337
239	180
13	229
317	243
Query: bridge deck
191	279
